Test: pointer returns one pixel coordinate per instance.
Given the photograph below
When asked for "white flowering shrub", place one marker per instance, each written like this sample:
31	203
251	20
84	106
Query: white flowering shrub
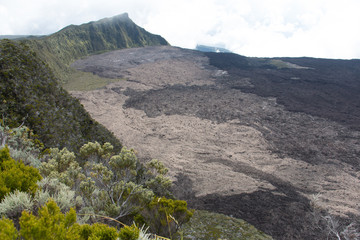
14	203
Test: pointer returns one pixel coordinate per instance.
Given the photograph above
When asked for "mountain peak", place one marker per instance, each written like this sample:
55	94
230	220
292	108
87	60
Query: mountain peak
124	17
76	41
110	34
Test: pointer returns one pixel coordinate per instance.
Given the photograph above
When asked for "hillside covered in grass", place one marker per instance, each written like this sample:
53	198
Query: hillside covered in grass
74	42
31	95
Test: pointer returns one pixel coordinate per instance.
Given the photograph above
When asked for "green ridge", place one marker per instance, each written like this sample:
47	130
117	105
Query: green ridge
60	49
31	95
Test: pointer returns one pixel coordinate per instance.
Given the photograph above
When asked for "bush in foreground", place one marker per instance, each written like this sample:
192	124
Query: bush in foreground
16	176
50	223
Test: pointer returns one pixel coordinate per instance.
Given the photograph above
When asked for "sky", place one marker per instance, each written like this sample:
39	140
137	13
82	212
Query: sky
256	28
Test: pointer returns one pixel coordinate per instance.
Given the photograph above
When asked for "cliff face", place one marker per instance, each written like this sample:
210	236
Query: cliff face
31	95
74	42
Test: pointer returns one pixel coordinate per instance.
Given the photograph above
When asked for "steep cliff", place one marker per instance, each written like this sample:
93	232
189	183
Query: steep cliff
31	95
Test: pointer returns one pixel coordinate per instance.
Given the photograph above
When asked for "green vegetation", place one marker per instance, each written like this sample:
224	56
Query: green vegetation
31	95
8	230
207	225
166	216
100	184
129	232
16	176
84	81
51	223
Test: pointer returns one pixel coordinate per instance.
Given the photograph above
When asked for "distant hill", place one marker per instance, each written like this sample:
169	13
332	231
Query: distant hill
73	42
204	48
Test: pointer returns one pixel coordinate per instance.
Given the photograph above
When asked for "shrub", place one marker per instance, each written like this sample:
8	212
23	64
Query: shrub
62	165
64	197
165	216
52	224
23	145
16	176
7	230
129	232
49	224
97	231
14	203
117	186
156	179
111	187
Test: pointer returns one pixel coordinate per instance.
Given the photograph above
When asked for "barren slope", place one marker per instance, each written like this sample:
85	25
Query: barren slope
229	148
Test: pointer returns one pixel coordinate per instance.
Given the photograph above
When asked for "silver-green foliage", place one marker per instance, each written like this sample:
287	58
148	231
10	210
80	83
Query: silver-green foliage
64	197
112	181
114	185
62	165
14	203
156	178
20	144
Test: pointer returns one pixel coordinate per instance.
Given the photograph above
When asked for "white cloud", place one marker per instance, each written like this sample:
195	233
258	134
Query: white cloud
316	28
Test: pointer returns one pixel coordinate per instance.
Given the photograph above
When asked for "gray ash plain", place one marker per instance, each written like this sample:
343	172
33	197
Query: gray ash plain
241	136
